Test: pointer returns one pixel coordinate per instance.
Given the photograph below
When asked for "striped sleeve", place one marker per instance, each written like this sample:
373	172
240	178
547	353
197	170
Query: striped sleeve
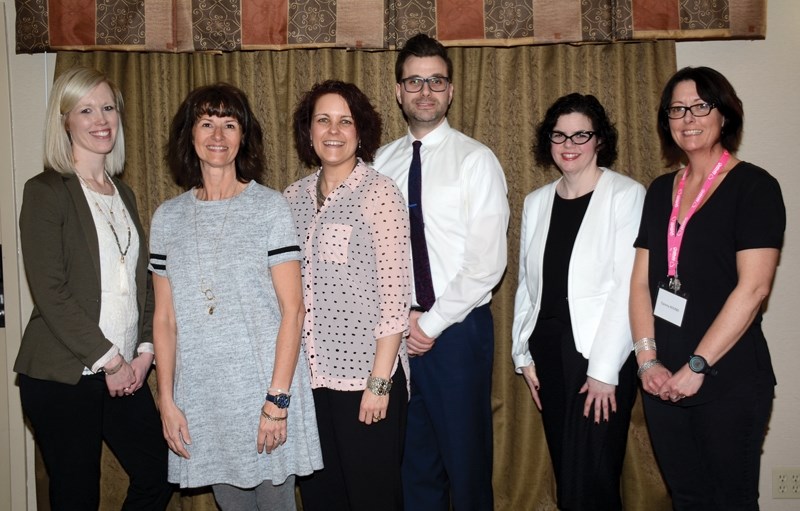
158	264
282	242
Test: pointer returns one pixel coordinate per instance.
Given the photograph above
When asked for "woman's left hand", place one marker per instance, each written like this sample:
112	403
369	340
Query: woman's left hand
140	365
602	395
373	407
271	433
684	383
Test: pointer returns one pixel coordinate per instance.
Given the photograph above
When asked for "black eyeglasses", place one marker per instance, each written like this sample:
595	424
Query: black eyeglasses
698	110
435	83
578	138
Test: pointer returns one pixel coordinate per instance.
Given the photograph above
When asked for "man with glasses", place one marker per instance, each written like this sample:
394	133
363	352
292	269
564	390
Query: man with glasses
456	193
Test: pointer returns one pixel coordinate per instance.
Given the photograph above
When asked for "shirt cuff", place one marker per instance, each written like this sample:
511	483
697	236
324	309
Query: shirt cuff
105	359
432	324
606	373
522	361
145	347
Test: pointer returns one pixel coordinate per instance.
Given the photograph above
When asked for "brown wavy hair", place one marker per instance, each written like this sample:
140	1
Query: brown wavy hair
217	100
367	120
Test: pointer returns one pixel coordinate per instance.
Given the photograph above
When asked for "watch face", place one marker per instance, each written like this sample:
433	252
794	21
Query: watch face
697	364
281	400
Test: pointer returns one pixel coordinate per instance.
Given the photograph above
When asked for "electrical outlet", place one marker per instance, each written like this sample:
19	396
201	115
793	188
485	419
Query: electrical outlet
786	483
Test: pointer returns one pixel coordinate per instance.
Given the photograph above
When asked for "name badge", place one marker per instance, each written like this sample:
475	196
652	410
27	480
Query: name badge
670	307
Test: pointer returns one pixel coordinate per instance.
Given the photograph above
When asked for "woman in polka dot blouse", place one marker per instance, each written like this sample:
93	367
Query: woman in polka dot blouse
353	226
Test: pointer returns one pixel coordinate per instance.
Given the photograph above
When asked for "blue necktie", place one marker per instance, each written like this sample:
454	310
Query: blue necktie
419	249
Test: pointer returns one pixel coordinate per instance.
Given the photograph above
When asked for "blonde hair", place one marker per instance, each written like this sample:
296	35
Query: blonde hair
68	89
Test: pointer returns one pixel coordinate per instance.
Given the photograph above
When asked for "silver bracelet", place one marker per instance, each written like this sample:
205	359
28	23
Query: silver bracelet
647	365
644	344
379	386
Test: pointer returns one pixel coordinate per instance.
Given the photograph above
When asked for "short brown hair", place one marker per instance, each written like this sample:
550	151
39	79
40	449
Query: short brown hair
367	120
217	100
713	88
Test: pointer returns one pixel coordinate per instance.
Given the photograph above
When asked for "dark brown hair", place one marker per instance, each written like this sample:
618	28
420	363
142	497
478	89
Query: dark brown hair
218	100
422	45
588	105
367	120
713	88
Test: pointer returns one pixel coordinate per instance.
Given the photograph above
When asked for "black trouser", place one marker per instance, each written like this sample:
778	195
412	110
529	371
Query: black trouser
710	454
70	423
587	457
361	463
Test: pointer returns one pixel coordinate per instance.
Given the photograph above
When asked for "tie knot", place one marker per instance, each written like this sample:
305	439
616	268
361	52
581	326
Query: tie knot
417	144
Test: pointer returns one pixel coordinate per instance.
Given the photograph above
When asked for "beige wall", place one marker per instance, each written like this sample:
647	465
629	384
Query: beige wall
24	82
765	73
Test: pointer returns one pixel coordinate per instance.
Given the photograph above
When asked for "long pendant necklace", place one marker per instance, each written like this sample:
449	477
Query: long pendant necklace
207	284
110	219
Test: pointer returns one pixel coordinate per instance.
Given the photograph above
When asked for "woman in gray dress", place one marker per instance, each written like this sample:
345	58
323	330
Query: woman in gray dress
236	407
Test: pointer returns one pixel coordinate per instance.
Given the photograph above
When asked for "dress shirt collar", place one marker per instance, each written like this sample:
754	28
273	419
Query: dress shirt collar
434	137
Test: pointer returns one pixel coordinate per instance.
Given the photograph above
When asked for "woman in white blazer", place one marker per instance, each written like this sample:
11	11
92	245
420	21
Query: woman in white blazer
571	335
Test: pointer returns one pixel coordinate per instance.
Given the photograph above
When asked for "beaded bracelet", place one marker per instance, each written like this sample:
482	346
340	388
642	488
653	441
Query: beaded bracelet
647	365
379	386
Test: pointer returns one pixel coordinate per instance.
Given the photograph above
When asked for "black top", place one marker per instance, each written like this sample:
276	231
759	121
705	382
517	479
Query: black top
746	211
565	221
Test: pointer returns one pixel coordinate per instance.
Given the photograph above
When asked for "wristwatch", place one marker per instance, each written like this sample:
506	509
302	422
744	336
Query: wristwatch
279	400
700	365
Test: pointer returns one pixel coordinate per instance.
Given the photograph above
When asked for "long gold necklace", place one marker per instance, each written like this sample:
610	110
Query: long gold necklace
207	283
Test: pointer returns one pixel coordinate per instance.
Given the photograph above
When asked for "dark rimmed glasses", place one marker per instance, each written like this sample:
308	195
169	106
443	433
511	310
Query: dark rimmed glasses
578	138
698	110
435	83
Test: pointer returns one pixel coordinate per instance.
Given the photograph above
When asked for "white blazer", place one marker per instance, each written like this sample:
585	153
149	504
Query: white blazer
599	273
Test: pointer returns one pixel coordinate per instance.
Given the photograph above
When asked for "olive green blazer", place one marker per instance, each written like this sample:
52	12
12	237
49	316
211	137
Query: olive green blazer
62	262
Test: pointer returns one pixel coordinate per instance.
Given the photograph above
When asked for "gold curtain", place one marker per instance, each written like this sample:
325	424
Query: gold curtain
500	95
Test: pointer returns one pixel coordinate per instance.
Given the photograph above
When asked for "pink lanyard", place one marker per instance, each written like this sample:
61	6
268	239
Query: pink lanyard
674	239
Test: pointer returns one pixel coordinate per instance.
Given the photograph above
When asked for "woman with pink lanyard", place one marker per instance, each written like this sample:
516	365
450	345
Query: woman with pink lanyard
706	254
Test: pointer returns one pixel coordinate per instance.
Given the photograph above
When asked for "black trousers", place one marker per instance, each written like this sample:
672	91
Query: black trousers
70	423
361	463
710	453
587	457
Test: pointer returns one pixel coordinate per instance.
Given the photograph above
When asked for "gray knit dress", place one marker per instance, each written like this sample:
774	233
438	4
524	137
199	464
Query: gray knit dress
224	360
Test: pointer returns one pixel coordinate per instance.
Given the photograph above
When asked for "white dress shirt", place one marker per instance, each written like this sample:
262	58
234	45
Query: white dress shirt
465	210
599	273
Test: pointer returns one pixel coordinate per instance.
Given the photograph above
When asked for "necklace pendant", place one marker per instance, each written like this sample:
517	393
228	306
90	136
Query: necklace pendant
211	309
122	259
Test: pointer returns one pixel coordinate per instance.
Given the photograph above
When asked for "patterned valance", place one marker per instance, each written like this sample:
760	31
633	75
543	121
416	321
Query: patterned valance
230	25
